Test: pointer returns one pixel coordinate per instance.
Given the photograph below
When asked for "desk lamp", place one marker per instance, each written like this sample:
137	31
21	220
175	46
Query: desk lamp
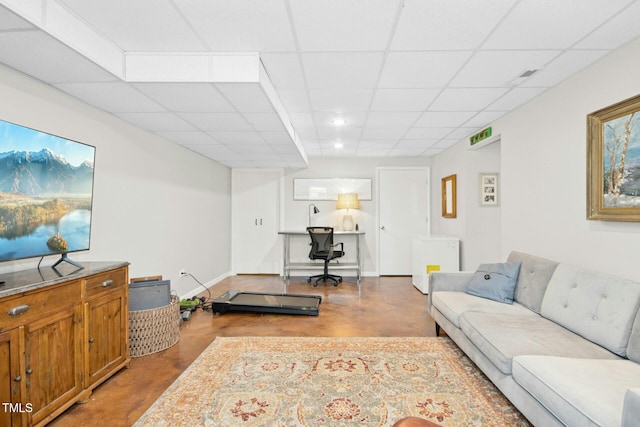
315	211
347	201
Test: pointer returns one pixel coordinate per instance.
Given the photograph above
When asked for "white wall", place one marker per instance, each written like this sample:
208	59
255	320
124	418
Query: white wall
477	226
543	175
296	211
156	205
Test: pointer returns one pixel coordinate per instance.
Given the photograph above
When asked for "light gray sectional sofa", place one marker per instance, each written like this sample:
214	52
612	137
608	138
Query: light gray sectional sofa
565	352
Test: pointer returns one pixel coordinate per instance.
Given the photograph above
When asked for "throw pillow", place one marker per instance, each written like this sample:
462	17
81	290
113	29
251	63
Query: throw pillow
495	281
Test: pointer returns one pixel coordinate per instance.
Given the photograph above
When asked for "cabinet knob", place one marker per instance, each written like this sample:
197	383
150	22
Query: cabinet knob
18	379
107	283
29	371
90	340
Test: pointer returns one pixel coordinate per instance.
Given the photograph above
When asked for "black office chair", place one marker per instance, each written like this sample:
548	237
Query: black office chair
322	247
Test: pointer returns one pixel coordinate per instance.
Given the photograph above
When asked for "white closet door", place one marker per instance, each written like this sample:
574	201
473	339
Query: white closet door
255	210
403	208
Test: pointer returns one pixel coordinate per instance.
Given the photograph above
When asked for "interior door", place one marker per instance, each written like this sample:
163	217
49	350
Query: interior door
255	221
403	210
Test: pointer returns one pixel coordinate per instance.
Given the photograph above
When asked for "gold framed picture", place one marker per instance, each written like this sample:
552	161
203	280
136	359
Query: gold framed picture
449	196
613	162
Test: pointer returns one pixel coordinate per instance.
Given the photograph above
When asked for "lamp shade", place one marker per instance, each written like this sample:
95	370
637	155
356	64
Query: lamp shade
348	201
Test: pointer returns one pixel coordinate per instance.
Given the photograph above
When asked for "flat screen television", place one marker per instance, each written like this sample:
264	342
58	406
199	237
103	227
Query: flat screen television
46	194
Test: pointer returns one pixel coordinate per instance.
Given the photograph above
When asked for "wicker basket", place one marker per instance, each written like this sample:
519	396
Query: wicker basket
154	330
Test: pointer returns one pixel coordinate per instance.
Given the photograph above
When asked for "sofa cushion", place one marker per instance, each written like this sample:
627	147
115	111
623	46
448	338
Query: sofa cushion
595	305
533	279
501	337
633	348
453	304
581	392
495	281
631	410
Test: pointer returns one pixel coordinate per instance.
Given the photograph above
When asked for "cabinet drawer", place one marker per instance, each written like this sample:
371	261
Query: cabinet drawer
35	304
99	283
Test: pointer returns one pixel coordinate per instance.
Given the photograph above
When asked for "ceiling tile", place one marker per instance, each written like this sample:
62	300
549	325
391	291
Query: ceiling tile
10	21
444	119
403	99
239	25
615	32
340	100
341	133
189	138
427	133
405	152
421	69
550	24
353	119
237	138
416	144
392	119
383	133
284	70
265	121
458	134
186	97
136	27
564	66
41	56
343	25
514	98
157	122
294	100
277	138
456	25
472	99
246	97
341	70
114	97
301	121
217	121
499	68
484	118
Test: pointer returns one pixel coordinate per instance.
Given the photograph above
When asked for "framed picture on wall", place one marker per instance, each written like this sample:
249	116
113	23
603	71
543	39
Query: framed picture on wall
489	189
613	162
449	208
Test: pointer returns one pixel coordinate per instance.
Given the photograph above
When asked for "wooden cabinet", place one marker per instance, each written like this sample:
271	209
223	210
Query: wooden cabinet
53	362
12	386
59	341
107	325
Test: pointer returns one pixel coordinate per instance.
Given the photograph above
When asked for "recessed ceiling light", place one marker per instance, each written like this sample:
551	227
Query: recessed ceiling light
338	145
338	122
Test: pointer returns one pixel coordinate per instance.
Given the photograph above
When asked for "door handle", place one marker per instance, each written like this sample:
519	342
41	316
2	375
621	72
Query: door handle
382	228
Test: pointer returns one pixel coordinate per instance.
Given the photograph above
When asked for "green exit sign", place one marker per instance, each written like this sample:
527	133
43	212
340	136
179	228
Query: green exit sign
483	134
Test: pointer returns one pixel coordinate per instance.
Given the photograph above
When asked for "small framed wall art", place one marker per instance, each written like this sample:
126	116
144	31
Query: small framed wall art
449	209
489	189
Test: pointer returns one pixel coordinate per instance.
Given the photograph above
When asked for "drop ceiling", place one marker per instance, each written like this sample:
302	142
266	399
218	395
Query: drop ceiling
257	83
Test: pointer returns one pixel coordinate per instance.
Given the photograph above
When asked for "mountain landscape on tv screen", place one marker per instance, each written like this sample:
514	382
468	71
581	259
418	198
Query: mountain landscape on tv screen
45	204
43	173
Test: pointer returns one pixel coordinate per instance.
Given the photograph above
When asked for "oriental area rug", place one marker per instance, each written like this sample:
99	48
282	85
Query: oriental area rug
275	381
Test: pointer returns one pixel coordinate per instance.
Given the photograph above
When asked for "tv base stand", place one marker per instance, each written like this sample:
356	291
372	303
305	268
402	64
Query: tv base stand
65	258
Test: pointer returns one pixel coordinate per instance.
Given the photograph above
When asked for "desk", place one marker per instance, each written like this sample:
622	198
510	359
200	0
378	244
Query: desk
288	266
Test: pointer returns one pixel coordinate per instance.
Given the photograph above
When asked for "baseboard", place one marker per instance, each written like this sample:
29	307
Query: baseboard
199	289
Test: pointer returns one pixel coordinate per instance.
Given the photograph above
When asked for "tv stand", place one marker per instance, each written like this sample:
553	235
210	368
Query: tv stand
65	258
